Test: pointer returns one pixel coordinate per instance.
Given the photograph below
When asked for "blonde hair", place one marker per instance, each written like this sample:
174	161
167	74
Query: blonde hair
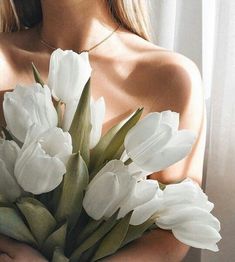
16	15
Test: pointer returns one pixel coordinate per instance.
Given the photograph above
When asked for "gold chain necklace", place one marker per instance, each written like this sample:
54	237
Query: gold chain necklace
45	43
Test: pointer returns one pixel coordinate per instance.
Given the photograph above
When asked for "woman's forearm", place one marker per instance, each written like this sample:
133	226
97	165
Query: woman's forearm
156	246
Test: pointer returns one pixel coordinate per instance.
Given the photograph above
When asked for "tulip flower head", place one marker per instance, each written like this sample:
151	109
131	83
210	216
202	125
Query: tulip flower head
107	190
68	74
155	143
184	209
26	106
41	162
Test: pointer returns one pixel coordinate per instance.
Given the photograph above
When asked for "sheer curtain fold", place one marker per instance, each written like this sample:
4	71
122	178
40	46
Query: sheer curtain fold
204	30
220	164
177	26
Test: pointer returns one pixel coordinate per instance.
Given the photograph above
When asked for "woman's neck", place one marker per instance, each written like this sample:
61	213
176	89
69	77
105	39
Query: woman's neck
75	24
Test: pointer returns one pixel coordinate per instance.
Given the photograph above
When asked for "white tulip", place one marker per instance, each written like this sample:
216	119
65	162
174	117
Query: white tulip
42	160
184	209
97	117
107	190
26	106
142	192
155	143
9	187
68	74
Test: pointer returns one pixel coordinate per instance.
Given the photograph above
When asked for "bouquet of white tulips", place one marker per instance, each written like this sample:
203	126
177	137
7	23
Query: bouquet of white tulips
76	195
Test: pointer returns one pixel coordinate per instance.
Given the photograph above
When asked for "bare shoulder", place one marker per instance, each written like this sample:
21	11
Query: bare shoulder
174	82
173	76
171	80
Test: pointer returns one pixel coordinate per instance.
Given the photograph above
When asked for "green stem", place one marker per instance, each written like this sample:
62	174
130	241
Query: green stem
60	113
128	162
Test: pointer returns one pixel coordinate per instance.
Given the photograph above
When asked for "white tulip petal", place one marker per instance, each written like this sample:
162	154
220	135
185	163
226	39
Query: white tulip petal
197	235
137	171
182	137
97	118
52	76
17	118
126	183
189	192
172	218
100	195
133	169
38	173
70	109
142	130
179	147
155	143
113	166
68	74
40	165
143	191
144	212
171	118
144	155
57	143
26	106
155	161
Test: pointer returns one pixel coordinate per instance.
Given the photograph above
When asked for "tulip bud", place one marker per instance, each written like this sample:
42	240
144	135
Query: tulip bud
26	106
184	209
41	163
154	143
107	190
68	74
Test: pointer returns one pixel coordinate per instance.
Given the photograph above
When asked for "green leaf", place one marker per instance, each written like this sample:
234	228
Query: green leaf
4	202
7	134
40	220
135	232
105	140
74	185
55	197
37	76
114	145
58	256
81	125
95	237
113	240
59	110
12	225
88	230
55	240
88	254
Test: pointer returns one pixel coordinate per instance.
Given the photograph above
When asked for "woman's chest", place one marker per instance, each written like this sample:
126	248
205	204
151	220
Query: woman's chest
122	91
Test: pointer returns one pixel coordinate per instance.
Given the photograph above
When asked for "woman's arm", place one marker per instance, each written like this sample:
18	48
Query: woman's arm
156	246
181	91
11	250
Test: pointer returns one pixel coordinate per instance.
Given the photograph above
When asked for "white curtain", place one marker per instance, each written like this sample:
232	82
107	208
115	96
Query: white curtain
219	78
181	25
177	26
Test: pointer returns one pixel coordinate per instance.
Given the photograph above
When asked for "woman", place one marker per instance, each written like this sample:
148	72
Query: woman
127	70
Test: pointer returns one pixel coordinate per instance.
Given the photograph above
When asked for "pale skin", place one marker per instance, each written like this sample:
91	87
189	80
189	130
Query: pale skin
129	72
